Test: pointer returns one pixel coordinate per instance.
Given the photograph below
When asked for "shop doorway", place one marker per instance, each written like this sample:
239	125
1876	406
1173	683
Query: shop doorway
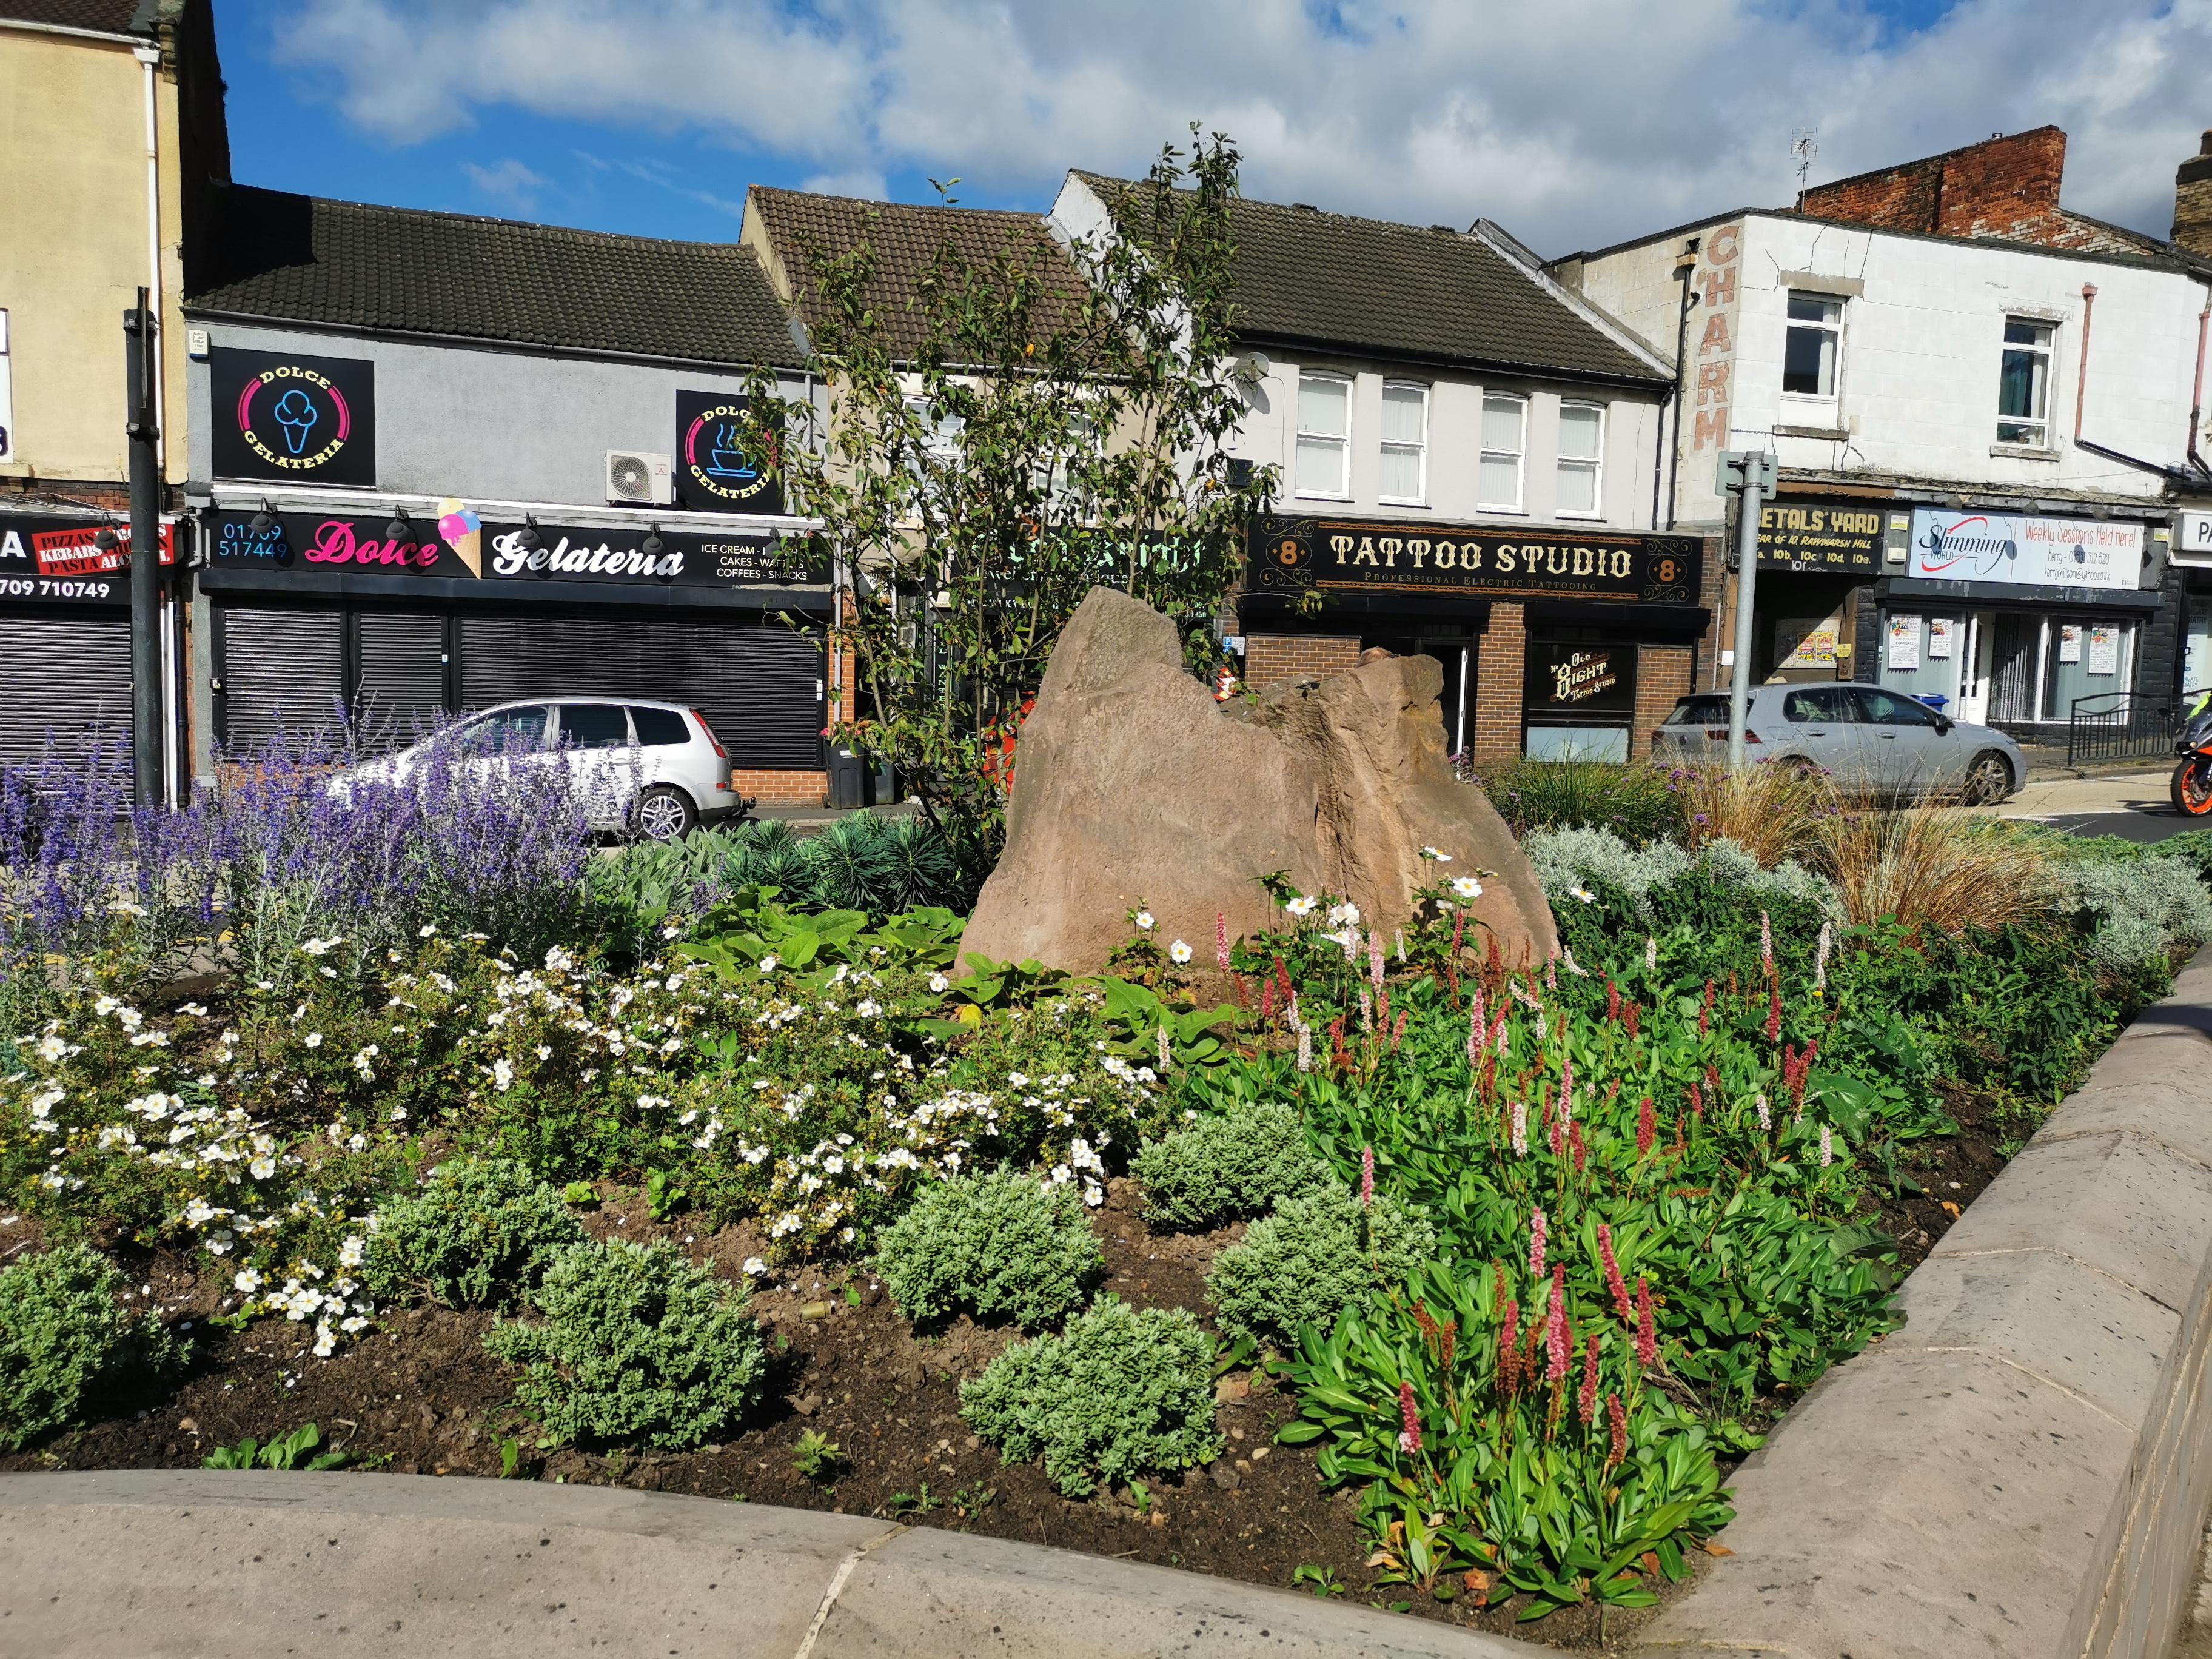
1998	669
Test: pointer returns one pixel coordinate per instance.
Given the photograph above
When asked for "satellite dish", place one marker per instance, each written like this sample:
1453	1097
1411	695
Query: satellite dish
1252	367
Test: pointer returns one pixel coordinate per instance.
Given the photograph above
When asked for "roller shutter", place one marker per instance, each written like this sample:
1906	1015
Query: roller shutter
67	674
280	671
760	688
400	686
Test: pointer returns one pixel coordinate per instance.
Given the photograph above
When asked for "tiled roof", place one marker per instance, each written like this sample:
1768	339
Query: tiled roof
1374	286
269	253
101	17
907	241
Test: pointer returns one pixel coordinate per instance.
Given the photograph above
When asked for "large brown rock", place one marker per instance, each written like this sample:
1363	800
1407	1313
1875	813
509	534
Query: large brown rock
1132	785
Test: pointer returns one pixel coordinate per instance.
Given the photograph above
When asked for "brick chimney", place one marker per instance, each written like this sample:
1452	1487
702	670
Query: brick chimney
2004	187
2193	201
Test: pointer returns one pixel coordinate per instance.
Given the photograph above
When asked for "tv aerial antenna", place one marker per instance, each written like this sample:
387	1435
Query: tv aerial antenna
1804	150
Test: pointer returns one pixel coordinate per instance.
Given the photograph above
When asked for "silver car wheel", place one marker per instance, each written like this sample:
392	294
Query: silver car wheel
1989	780
662	815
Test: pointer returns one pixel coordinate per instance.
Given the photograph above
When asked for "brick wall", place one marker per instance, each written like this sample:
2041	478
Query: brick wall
2193	201
1270	658
108	497
2000	186
1500	661
1662	674
784	788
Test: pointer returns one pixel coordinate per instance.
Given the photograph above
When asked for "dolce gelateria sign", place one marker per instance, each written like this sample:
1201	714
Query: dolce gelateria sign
455	543
1293	554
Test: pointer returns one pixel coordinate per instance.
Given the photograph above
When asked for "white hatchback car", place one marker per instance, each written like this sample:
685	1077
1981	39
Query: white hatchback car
641	766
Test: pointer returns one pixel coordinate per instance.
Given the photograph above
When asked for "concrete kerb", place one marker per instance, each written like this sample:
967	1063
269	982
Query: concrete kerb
202	1563
2024	1468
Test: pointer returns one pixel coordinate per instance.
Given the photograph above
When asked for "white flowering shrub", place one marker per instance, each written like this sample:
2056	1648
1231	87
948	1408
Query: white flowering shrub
1222	1169
1120	1392
1567	862
634	1344
1313	1256
66	1342
479	1233
999	1246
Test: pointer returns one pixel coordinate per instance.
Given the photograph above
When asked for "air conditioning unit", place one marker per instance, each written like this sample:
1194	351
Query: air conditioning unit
635	477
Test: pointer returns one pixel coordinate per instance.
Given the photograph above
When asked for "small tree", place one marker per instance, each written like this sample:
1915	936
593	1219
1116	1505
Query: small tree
1038	442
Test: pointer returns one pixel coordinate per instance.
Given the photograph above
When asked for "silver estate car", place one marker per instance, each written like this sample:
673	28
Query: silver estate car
1867	738
643	767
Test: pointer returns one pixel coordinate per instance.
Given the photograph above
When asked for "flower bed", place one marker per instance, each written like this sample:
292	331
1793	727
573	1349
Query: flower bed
1495	1269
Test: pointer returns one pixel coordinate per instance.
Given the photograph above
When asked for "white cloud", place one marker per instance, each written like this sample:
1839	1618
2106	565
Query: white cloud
507	182
866	183
1574	122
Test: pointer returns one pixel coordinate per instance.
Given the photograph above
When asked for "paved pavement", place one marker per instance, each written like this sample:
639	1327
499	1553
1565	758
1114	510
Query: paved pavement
189	1562
2135	805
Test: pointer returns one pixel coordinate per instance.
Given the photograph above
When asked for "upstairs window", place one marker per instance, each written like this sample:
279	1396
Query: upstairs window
1324	435
1405	443
1582	444
1812	346
2024	384
1504	441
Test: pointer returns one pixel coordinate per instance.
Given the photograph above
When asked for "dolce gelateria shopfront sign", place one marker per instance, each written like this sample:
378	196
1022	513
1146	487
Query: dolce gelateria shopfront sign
1291	556
457	545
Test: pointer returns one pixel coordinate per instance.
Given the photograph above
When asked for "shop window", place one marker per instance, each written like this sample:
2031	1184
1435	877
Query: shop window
1504	443
1324	435
1812	347
1581	446
2024	384
2087	659
1578	699
1405	443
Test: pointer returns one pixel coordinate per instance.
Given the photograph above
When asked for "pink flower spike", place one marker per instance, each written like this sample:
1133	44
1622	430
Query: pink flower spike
1647	1337
1613	1280
1409	1438
1367	1176
1559	1355
1586	1404
1221	940
1536	1231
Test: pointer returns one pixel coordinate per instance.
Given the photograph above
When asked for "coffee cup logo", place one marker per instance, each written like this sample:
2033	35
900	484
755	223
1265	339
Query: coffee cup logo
715	460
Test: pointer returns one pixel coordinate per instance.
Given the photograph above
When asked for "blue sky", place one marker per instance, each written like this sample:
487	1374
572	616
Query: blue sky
1573	122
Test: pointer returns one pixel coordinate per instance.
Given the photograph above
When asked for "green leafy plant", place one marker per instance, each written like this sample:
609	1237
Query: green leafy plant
293	1451
1315	1254
1321	1581
1120	1393
1225	1168
903	1504
67	1344
1000	1246
972	1500
634	1344
479	1233
816	1456
1634	803
664	1196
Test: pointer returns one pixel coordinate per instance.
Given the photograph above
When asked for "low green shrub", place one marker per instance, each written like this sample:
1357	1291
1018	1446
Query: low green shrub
1120	1392
998	1246
65	1342
2142	908
1646	877
636	1343
1223	1169
1312	1257
479	1233
1637	803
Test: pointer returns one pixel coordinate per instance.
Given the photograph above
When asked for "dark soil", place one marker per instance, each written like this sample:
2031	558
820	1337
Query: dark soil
421	1396
1950	1171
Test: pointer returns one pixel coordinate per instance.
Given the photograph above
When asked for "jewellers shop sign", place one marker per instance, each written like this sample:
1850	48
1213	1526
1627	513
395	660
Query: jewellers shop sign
2027	550
456	545
59	561
1362	556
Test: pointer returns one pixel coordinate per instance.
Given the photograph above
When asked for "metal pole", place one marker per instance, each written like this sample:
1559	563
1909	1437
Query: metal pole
140	331
1747	581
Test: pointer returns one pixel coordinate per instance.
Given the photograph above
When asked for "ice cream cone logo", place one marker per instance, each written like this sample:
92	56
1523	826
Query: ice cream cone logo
462	532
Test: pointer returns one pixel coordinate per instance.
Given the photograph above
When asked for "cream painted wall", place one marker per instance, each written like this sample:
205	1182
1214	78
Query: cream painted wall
73	250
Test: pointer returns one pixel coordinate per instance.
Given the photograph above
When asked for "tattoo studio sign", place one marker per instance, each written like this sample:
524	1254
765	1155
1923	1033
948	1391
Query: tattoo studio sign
1292	555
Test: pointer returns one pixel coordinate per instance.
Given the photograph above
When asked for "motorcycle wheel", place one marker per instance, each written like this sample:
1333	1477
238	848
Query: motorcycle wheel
2192	786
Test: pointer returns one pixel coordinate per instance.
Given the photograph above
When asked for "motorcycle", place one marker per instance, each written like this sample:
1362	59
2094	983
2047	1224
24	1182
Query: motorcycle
2192	777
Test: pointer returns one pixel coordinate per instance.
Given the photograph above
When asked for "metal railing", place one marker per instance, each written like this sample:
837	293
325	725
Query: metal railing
2114	726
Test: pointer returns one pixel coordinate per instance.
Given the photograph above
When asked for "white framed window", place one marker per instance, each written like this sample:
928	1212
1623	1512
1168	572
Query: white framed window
1324	465
1582	448
1405	443
2024	383
1812	347
1504	444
